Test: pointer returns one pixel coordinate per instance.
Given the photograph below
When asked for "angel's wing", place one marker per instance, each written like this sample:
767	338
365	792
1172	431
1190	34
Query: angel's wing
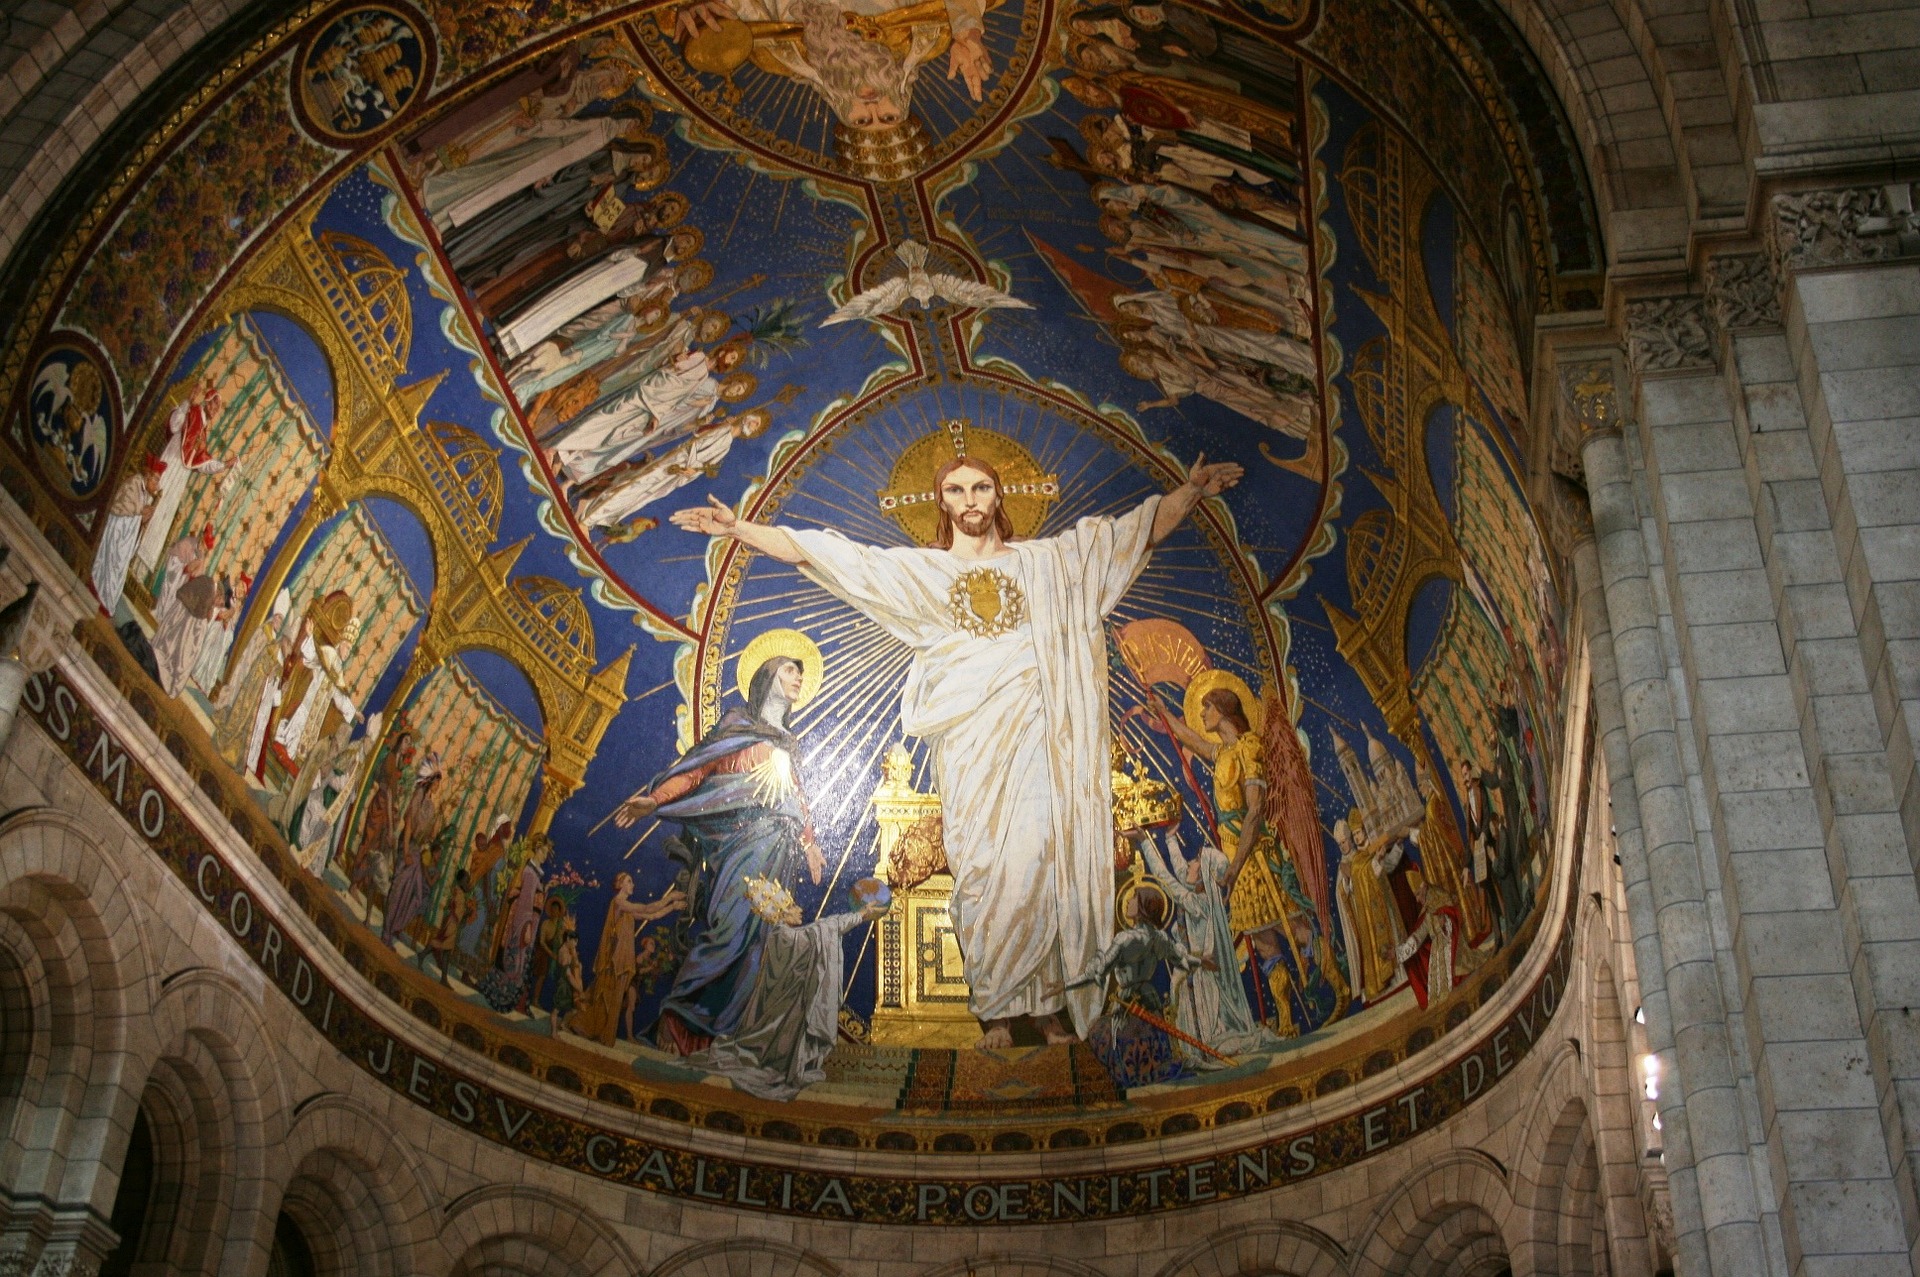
52	379
877	300
1292	812
966	292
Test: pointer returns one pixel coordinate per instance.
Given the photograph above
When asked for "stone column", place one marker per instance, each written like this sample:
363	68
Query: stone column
1717	1212
1797	974
1851	266
1624	805
1834	389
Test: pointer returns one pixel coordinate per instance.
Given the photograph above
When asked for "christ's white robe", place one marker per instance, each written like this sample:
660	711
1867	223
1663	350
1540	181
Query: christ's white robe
1018	731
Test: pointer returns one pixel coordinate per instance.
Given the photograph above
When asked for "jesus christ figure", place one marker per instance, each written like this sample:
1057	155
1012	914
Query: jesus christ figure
1008	688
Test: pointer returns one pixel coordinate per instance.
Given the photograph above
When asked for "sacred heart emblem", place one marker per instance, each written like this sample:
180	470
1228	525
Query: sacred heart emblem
986	603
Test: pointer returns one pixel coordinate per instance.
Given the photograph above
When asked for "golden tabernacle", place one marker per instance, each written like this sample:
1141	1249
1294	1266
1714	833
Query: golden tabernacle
923	985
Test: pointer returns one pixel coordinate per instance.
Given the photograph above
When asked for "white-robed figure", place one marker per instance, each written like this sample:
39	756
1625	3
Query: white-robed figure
1209	1002
792	1018
660	476
127	516
186	453
661	407
1008	688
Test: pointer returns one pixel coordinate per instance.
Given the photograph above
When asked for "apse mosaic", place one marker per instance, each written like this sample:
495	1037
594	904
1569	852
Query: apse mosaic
938	562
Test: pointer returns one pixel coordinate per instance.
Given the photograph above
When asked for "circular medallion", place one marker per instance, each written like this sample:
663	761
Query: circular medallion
720	49
73	415
366	64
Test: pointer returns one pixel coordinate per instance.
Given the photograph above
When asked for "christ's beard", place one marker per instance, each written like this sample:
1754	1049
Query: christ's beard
975	522
844	61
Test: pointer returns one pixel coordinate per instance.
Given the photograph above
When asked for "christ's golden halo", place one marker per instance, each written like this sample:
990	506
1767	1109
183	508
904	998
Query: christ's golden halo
909	498
789	643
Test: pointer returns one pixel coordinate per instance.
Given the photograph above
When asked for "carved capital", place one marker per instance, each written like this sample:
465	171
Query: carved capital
1837	227
67	1265
1588	397
1743	291
40	639
35	636
1669	334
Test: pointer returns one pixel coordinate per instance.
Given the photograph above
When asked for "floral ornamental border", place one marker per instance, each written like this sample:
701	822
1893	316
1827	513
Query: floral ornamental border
450	1092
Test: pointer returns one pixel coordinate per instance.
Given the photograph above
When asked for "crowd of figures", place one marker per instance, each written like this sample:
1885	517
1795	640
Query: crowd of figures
1190	149
1222	953
546	194
1247	943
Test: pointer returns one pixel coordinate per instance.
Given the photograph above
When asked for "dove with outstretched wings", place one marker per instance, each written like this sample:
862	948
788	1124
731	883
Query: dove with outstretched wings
921	286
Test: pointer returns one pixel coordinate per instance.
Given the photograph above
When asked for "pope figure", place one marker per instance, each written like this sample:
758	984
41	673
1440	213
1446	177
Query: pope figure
1008	688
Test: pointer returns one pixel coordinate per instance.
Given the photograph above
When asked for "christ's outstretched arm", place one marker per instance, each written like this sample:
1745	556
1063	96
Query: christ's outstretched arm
716	520
1203	481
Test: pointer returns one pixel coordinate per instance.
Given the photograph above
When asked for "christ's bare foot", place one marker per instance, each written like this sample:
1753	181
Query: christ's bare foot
1057	1031
999	1037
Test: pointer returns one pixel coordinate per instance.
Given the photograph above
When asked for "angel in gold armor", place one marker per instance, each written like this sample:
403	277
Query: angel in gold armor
862	56
1263	829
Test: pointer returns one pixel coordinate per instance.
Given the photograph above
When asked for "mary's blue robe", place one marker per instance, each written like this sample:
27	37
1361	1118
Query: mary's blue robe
735	824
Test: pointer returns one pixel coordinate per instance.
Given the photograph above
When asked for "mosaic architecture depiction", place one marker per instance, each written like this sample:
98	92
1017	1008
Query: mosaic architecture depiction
1133	639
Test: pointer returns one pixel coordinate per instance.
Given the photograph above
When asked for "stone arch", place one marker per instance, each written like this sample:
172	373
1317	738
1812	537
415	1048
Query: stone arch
509	1229
78	964
1014	1264
1282	1248
1463	1246
186	1212
1614	1104
357	1193
211	1092
1613	105
1435	1217
1538	1163
745	1257
23	993
1564	1210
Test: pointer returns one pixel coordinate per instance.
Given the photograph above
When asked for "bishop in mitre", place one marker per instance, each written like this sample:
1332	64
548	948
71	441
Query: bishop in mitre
1008	688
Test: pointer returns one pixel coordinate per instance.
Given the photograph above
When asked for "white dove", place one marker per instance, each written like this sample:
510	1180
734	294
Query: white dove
884	299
